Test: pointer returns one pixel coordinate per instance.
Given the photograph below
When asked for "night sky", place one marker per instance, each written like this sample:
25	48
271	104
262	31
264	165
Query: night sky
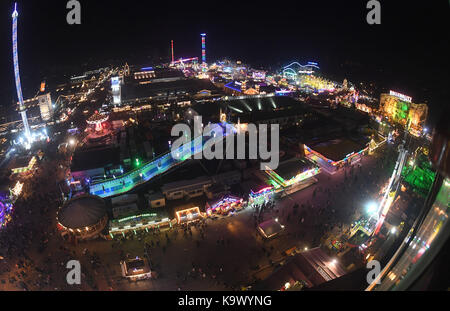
409	52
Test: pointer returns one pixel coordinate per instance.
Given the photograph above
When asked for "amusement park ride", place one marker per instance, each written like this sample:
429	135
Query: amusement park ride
368	228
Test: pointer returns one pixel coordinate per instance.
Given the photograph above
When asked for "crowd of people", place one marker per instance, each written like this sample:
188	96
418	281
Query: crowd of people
30	246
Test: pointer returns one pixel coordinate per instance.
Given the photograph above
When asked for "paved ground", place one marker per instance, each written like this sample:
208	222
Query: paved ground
220	254
244	255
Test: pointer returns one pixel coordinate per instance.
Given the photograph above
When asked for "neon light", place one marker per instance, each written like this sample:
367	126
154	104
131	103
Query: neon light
309	151
6	210
188	214
171	43
262	191
225	204
203	48
290	71
298	64
401	96
279	181
147	171
181	60
232	88
137	217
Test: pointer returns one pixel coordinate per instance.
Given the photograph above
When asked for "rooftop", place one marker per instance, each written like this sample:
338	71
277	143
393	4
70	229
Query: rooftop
293	167
314	267
251	110
137	267
337	149
97	157
81	212
270	228
190	86
185	184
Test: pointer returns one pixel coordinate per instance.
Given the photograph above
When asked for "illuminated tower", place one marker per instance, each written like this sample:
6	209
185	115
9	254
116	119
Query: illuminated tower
171	43
23	111
116	90
203	49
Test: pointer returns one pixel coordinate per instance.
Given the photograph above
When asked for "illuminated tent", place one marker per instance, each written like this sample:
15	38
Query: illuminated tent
83	217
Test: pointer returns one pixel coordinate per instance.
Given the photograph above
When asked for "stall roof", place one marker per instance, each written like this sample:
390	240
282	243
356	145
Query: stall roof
270	228
291	168
92	158
312	267
337	149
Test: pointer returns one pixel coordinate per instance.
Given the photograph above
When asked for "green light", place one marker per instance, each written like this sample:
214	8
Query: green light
136	217
419	175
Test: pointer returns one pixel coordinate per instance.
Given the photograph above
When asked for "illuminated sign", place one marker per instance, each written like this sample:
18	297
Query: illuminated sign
401	96
42	87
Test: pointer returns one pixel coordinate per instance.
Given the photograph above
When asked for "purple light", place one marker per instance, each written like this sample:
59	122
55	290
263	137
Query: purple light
5	214
230	87
203	48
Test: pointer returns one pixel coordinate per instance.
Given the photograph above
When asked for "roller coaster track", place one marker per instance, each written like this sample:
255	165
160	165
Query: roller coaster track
162	164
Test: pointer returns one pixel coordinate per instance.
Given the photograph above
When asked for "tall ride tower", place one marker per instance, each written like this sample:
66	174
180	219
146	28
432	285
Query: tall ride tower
116	90
23	111
171	45
203	49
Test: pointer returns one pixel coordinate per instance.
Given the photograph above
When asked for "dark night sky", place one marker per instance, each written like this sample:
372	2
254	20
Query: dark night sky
409	52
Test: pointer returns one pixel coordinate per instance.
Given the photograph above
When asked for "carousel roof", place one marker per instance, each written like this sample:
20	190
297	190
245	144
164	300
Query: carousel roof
97	118
81	212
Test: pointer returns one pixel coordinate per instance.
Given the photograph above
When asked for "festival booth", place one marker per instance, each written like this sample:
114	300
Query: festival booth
136	269
335	154
361	231
137	223
292	175
224	206
270	228
261	197
189	215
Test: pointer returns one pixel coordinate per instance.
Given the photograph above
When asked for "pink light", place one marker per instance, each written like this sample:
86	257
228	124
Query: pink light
98	127
264	190
186	60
